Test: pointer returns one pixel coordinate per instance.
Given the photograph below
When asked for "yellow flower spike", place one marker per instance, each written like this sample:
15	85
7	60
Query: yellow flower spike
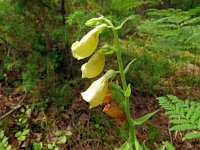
87	45
97	91
94	66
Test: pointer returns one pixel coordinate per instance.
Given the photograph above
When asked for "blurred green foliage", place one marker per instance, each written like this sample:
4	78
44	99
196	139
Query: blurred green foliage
148	72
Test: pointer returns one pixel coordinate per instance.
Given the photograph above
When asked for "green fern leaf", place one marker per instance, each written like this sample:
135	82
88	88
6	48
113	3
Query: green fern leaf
180	121
175	116
184	115
199	124
187	103
189	113
194	117
173	98
183	127
191	135
182	111
172	112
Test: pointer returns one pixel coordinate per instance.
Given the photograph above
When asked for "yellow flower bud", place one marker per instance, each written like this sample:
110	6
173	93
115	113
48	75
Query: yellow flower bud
94	66
87	45
96	92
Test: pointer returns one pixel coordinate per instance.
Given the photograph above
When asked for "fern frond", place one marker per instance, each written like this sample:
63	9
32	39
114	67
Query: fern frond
184	115
192	21
183	127
172	29
179	121
191	135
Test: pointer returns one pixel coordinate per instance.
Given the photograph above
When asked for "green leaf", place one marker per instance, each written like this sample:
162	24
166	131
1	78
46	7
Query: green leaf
2	147
37	146
51	146
179	121
117	92
162	147
198	124
169	145
62	140
137	145
144	118
22	110
121	25
4	140
18	134
126	146
191	135
68	133
21	138
58	133
9	147
183	127
1	134
128	91
56	148
128	66
24	120
25	131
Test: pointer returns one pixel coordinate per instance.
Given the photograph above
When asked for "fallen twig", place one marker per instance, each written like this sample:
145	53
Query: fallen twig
14	108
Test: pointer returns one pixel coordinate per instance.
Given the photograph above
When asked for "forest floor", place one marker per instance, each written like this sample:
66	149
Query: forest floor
90	129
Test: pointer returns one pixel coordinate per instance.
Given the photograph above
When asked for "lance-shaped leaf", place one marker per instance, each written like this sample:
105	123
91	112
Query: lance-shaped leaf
126	146
144	118
128	66
128	91
121	25
167	146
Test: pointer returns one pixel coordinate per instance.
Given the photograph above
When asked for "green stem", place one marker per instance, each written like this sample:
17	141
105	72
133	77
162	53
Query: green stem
119	60
132	134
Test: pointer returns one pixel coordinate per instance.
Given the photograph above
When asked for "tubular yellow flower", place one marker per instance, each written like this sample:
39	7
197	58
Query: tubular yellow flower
97	91
87	45
94	66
